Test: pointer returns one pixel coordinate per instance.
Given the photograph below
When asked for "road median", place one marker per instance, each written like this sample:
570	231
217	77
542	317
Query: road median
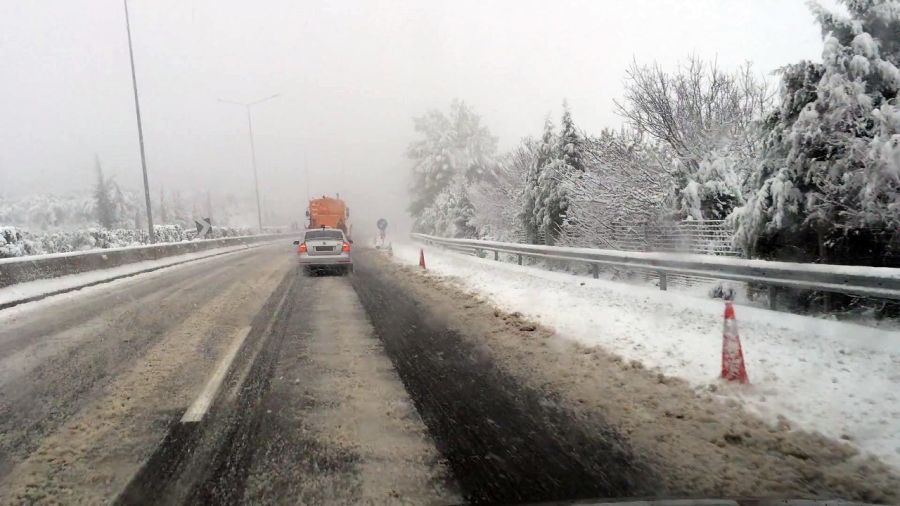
29	279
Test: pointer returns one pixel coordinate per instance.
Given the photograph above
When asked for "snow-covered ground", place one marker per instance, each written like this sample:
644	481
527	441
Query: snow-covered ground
40	287
840	379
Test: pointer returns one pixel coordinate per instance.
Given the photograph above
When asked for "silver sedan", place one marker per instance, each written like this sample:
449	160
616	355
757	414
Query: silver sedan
324	249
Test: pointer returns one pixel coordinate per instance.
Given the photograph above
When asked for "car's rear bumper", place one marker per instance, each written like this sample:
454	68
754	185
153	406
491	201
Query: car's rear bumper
324	260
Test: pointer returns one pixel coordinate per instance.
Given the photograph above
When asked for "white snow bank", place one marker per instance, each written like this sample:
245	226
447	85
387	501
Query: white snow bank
840	379
40	287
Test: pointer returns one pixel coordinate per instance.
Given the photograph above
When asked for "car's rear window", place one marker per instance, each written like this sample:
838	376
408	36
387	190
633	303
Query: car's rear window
324	234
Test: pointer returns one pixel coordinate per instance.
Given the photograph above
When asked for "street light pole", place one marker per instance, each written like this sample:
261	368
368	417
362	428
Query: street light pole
247	106
255	174
137	110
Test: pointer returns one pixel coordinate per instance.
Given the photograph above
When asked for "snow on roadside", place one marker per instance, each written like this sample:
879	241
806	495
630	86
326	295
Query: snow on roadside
840	379
43	286
45	256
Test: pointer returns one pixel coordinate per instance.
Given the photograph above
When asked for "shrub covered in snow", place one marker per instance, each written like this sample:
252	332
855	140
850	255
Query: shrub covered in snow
15	242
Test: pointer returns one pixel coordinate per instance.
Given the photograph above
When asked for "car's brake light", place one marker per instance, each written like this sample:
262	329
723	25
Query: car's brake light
301	248
346	247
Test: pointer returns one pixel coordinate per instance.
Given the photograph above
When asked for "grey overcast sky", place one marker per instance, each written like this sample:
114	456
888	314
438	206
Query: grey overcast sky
351	75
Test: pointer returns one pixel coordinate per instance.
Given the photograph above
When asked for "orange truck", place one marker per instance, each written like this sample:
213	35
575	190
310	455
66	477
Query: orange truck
329	212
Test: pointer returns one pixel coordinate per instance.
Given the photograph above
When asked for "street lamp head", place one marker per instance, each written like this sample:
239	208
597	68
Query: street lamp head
264	99
249	104
231	102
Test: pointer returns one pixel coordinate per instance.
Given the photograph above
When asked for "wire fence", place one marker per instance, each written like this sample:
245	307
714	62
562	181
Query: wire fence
707	237
704	237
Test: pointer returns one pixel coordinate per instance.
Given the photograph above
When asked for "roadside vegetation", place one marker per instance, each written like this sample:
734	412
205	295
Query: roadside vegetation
806	169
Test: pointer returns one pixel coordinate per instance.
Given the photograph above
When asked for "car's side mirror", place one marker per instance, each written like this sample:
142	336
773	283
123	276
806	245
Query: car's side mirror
296	243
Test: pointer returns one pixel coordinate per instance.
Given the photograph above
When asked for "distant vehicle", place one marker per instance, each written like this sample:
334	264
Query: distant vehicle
325	249
329	212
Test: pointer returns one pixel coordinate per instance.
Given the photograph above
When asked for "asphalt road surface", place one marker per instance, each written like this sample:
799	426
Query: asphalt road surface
342	389
239	379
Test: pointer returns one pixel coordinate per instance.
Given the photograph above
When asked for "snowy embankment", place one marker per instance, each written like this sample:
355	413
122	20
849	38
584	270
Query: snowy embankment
839	379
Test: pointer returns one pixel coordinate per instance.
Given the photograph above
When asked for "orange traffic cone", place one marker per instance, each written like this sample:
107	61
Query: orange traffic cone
422	258
733	368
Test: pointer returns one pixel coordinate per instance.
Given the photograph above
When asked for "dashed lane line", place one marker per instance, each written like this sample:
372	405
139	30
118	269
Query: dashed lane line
200	406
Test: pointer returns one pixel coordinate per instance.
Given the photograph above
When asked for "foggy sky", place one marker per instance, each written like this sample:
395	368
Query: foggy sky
351	75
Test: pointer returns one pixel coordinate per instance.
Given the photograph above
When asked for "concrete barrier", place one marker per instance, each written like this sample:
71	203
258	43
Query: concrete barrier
23	269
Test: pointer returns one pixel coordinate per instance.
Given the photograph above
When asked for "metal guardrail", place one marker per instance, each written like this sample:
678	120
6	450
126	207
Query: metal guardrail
879	282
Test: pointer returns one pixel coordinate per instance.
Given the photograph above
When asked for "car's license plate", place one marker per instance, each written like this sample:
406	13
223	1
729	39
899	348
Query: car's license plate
324	248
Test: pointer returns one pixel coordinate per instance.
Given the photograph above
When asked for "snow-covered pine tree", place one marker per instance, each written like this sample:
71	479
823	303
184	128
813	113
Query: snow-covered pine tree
829	187
460	213
532	205
551	199
571	142
104	208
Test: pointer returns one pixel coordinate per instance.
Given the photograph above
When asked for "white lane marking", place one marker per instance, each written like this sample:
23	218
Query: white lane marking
265	336
198	409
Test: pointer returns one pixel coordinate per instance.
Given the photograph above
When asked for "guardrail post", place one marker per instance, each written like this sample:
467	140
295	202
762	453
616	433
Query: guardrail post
520	258
596	269
496	255
663	280
773	296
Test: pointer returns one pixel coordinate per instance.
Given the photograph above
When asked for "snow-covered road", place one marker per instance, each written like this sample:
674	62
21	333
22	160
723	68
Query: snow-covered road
839	379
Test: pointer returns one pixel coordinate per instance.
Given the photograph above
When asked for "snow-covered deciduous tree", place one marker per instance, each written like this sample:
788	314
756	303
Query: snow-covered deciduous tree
452	152
627	182
104	209
498	202
828	188
705	116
